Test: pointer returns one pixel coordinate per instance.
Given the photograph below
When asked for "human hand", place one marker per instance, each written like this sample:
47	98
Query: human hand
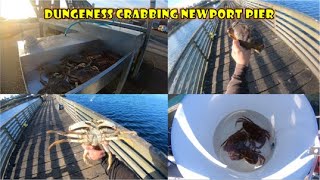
240	54
94	152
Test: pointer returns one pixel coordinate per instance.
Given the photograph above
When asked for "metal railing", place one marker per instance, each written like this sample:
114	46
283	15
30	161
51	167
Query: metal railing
11	131
144	159
300	32
187	75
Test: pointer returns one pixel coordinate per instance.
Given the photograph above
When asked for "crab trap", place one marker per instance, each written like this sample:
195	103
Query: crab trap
57	64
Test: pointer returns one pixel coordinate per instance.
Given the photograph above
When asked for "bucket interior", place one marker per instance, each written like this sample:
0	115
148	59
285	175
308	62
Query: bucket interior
228	126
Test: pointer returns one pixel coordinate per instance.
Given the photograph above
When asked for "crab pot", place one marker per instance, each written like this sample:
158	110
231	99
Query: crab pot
34	52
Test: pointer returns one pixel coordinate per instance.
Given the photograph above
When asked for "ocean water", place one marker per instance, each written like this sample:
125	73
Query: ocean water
308	7
145	114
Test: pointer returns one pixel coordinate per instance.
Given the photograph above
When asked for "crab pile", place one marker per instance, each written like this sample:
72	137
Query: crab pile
97	133
247	142
74	70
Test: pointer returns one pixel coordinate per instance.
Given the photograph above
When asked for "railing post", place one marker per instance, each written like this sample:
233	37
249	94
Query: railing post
9	135
125	74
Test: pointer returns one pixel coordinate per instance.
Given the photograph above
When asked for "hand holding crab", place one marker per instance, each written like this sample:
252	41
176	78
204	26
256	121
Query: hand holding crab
95	134
94	153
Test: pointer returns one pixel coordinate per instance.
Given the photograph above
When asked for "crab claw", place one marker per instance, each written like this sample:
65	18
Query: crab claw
230	32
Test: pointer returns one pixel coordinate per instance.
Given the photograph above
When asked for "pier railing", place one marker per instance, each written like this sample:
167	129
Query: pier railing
147	161
11	131
300	32
187	74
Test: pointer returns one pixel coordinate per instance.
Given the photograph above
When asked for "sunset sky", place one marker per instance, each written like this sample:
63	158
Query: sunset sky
9	8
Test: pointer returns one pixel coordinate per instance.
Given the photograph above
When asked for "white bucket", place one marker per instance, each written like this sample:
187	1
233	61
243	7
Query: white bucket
294	131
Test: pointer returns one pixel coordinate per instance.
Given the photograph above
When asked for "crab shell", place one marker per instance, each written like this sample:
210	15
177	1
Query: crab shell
248	36
97	131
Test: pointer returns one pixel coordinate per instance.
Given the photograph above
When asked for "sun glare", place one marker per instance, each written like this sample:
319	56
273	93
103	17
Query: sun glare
16	9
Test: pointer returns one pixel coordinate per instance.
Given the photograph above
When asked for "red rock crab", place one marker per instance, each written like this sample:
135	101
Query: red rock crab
247	35
255	132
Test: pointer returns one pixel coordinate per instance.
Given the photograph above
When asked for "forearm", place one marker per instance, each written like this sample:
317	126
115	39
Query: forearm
238	83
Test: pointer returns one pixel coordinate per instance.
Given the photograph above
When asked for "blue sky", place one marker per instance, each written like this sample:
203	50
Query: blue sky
8	8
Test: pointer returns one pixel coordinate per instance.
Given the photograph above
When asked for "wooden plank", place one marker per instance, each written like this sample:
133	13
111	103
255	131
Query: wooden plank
257	61
312	85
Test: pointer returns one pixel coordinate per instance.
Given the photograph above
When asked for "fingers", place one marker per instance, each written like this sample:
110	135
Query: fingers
236	44
96	155
93	153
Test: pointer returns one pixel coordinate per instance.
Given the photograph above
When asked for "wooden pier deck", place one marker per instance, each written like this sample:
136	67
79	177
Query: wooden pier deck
32	159
278	69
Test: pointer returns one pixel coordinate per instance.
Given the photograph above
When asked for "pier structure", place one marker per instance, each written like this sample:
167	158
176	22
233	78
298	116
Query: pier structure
29	156
288	64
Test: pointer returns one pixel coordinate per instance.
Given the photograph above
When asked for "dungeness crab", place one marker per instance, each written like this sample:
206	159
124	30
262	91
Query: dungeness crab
247	35
74	70
56	83
82	73
242	144
95	133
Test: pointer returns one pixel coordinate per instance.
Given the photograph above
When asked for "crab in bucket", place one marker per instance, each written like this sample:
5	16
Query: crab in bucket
95	133
239	147
247	142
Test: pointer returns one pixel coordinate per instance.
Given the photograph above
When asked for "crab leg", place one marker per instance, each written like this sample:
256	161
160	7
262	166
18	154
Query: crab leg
242	119
233	37
58	142
67	140
71	134
64	133
110	138
128	132
107	149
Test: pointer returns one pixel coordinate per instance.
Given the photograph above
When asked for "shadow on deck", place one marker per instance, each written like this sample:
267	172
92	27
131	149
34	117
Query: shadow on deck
278	69
32	159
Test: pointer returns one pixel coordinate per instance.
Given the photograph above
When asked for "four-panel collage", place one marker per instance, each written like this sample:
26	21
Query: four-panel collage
160	89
